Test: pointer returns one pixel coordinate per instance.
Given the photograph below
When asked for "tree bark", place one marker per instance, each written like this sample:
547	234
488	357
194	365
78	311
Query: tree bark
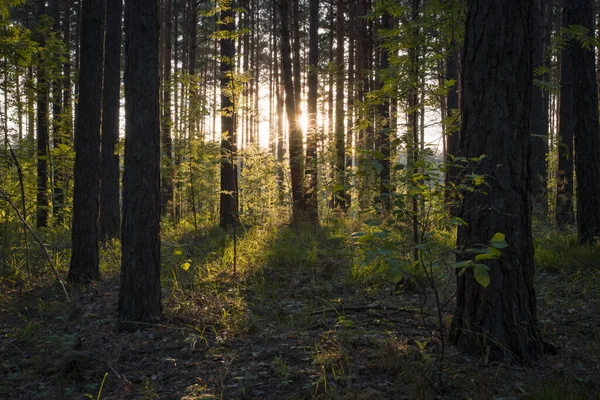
43	203
228	209
167	143
586	130
496	98
339	198
566	125
295	130
139	295
539	114
312	134
110	207
84	257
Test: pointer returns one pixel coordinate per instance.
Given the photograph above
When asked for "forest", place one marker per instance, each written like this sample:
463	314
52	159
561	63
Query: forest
289	199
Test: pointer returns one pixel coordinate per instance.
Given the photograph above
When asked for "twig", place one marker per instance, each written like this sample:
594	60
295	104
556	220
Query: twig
5	197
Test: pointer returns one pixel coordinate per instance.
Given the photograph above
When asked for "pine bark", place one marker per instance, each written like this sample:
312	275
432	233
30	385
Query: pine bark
566	126
228	209
167	143
43	203
140	295
586	130
110	207
312	139
340	132
84	257
295	130
496	98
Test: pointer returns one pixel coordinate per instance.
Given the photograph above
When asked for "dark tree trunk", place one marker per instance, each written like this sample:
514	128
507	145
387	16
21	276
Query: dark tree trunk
43	203
586	131
452	124
57	130
496	98
566	125
295	130
84	257
167	144
539	115
296	57
340	132
228	209
139	295
108	224
279	113
312	139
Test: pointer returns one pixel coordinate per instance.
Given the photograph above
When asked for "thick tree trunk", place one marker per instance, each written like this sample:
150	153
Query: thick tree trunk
84	257
110	205
586	131
228	209
139	295
312	139
295	130
500	319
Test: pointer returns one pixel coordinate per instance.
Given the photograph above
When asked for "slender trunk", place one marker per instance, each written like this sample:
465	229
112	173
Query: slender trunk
312	134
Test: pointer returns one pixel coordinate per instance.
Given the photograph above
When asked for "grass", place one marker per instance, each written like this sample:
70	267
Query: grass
293	322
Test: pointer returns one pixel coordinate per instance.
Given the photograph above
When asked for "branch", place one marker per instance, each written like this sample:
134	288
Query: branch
364	308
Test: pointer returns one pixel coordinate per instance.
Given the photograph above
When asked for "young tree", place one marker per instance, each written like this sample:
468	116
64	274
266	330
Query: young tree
84	256
497	76
340	133
110	213
139	295
228	212
585	116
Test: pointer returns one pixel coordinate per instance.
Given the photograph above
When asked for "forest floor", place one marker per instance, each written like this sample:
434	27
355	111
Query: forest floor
292	323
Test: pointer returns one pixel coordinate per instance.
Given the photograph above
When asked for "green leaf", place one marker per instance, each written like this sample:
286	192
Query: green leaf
499	245
494	251
498	237
394	275
481	275
462	264
373	222
485	256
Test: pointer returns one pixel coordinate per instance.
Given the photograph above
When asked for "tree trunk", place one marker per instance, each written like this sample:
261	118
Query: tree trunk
340	132
110	208
586	131
43	204
139	295
312	134
539	114
167	144
566	125
57	129
84	257
295	130
500	319
384	131
228	209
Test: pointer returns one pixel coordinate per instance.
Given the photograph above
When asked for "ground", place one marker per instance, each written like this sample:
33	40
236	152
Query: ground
291	323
